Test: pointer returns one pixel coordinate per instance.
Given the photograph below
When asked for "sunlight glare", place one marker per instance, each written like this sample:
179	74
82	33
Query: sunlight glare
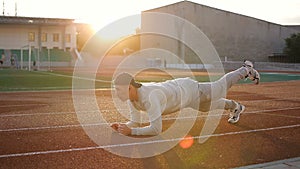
116	29
186	142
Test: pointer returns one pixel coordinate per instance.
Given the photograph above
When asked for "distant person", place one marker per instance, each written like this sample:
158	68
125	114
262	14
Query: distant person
12	60
16	61
170	96
2	58
34	66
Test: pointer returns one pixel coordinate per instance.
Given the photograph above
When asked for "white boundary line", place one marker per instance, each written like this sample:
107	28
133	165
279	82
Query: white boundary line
164	119
108	89
144	143
57	113
54	113
273	164
281	99
23	105
33	90
255	94
82	78
262	100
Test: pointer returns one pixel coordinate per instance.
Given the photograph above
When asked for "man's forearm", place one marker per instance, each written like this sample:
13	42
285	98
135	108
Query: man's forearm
154	128
148	130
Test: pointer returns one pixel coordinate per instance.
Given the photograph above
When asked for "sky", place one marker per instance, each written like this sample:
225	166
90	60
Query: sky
100	13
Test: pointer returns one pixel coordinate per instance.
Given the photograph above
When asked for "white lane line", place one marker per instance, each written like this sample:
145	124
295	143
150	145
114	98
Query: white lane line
107	102
255	94
281	99
33	114
68	89
57	113
265	112
107	110
144	143
73	125
22	105
52	127
74	77
39	128
31	89
273	110
38	114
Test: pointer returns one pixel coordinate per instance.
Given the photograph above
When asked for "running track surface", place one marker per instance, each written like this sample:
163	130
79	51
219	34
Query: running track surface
41	130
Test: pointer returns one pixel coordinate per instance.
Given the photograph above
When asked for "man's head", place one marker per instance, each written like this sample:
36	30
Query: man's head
126	86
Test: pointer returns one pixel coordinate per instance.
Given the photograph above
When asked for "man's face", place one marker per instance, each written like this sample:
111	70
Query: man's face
122	92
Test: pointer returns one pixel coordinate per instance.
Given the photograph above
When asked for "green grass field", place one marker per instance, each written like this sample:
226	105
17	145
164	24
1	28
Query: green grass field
21	80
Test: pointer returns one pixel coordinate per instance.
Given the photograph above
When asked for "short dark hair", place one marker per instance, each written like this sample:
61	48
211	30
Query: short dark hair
126	79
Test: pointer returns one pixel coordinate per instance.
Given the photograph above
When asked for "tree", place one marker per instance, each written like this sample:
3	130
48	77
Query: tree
292	48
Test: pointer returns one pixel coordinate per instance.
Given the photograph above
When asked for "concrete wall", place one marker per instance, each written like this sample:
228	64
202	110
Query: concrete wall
13	36
234	36
295	27
16	36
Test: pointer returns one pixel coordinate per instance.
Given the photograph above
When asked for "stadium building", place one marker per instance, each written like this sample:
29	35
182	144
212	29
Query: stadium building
234	36
38	41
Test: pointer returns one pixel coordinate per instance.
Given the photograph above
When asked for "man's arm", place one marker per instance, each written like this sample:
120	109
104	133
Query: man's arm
125	128
135	116
154	108
154	113
154	128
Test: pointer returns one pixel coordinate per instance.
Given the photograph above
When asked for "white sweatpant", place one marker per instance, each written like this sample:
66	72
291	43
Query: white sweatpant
212	94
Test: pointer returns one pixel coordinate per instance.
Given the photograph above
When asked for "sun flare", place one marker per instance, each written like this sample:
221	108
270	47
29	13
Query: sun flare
116	28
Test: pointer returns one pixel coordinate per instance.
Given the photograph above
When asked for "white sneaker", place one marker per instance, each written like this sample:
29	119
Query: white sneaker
254	76
252	73
236	113
248	63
